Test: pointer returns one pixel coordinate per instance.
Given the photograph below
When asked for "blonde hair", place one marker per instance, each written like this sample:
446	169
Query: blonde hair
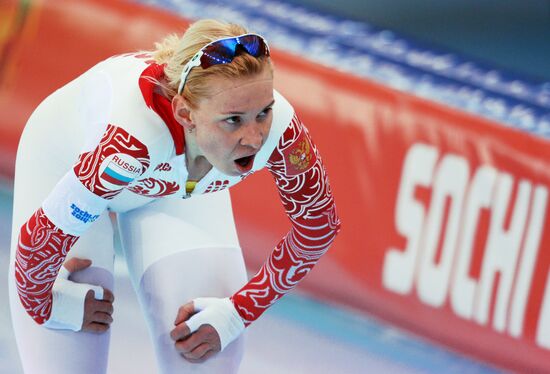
175	51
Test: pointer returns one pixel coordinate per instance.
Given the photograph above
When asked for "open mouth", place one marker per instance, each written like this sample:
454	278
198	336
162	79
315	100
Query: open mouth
245	163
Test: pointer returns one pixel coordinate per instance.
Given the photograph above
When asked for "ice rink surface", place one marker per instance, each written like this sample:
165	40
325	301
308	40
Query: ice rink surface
297	335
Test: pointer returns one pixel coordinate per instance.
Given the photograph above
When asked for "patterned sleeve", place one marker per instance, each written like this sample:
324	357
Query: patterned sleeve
73	205
307	198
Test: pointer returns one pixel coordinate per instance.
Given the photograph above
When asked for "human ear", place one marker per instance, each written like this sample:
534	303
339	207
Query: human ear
182	112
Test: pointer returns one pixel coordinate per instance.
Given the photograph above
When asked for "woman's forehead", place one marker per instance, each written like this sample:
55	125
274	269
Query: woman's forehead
241	95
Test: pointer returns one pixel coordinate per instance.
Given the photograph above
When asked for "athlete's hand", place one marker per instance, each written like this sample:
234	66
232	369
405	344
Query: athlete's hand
204	327
97	313
198	346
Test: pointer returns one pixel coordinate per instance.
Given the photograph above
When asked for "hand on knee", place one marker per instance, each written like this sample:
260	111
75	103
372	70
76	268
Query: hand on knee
204	327
79	306
98	313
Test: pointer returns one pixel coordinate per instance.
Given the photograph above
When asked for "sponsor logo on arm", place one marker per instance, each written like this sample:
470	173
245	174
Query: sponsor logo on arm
83	215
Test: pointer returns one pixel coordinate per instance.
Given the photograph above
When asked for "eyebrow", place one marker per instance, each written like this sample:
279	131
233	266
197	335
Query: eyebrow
238	113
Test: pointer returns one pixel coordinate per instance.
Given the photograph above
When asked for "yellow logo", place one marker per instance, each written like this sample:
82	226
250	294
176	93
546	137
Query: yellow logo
300	157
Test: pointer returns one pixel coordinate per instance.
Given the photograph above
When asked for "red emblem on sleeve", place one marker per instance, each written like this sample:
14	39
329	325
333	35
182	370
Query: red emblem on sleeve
299	156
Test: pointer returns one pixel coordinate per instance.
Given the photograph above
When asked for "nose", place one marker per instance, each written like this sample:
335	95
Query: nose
253	135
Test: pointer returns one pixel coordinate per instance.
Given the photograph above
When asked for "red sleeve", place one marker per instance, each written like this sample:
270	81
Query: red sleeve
41	250
307	198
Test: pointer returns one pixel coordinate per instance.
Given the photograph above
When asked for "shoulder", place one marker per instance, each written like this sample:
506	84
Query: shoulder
119	129
122	78
111	82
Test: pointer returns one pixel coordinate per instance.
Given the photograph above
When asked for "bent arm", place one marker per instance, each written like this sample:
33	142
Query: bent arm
70	209
305	192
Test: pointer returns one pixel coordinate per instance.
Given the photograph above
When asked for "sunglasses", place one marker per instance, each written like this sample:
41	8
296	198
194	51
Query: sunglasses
223	51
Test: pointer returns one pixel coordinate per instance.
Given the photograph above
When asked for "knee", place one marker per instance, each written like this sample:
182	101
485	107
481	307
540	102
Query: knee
226	362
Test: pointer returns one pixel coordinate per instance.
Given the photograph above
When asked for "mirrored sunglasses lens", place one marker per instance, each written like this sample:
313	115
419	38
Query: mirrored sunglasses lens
253	44
221	52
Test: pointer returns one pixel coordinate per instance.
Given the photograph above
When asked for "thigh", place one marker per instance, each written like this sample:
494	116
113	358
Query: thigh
54	351
183	251
174	280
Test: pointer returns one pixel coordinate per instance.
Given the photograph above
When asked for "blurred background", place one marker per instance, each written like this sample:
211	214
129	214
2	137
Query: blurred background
438	268
510	35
